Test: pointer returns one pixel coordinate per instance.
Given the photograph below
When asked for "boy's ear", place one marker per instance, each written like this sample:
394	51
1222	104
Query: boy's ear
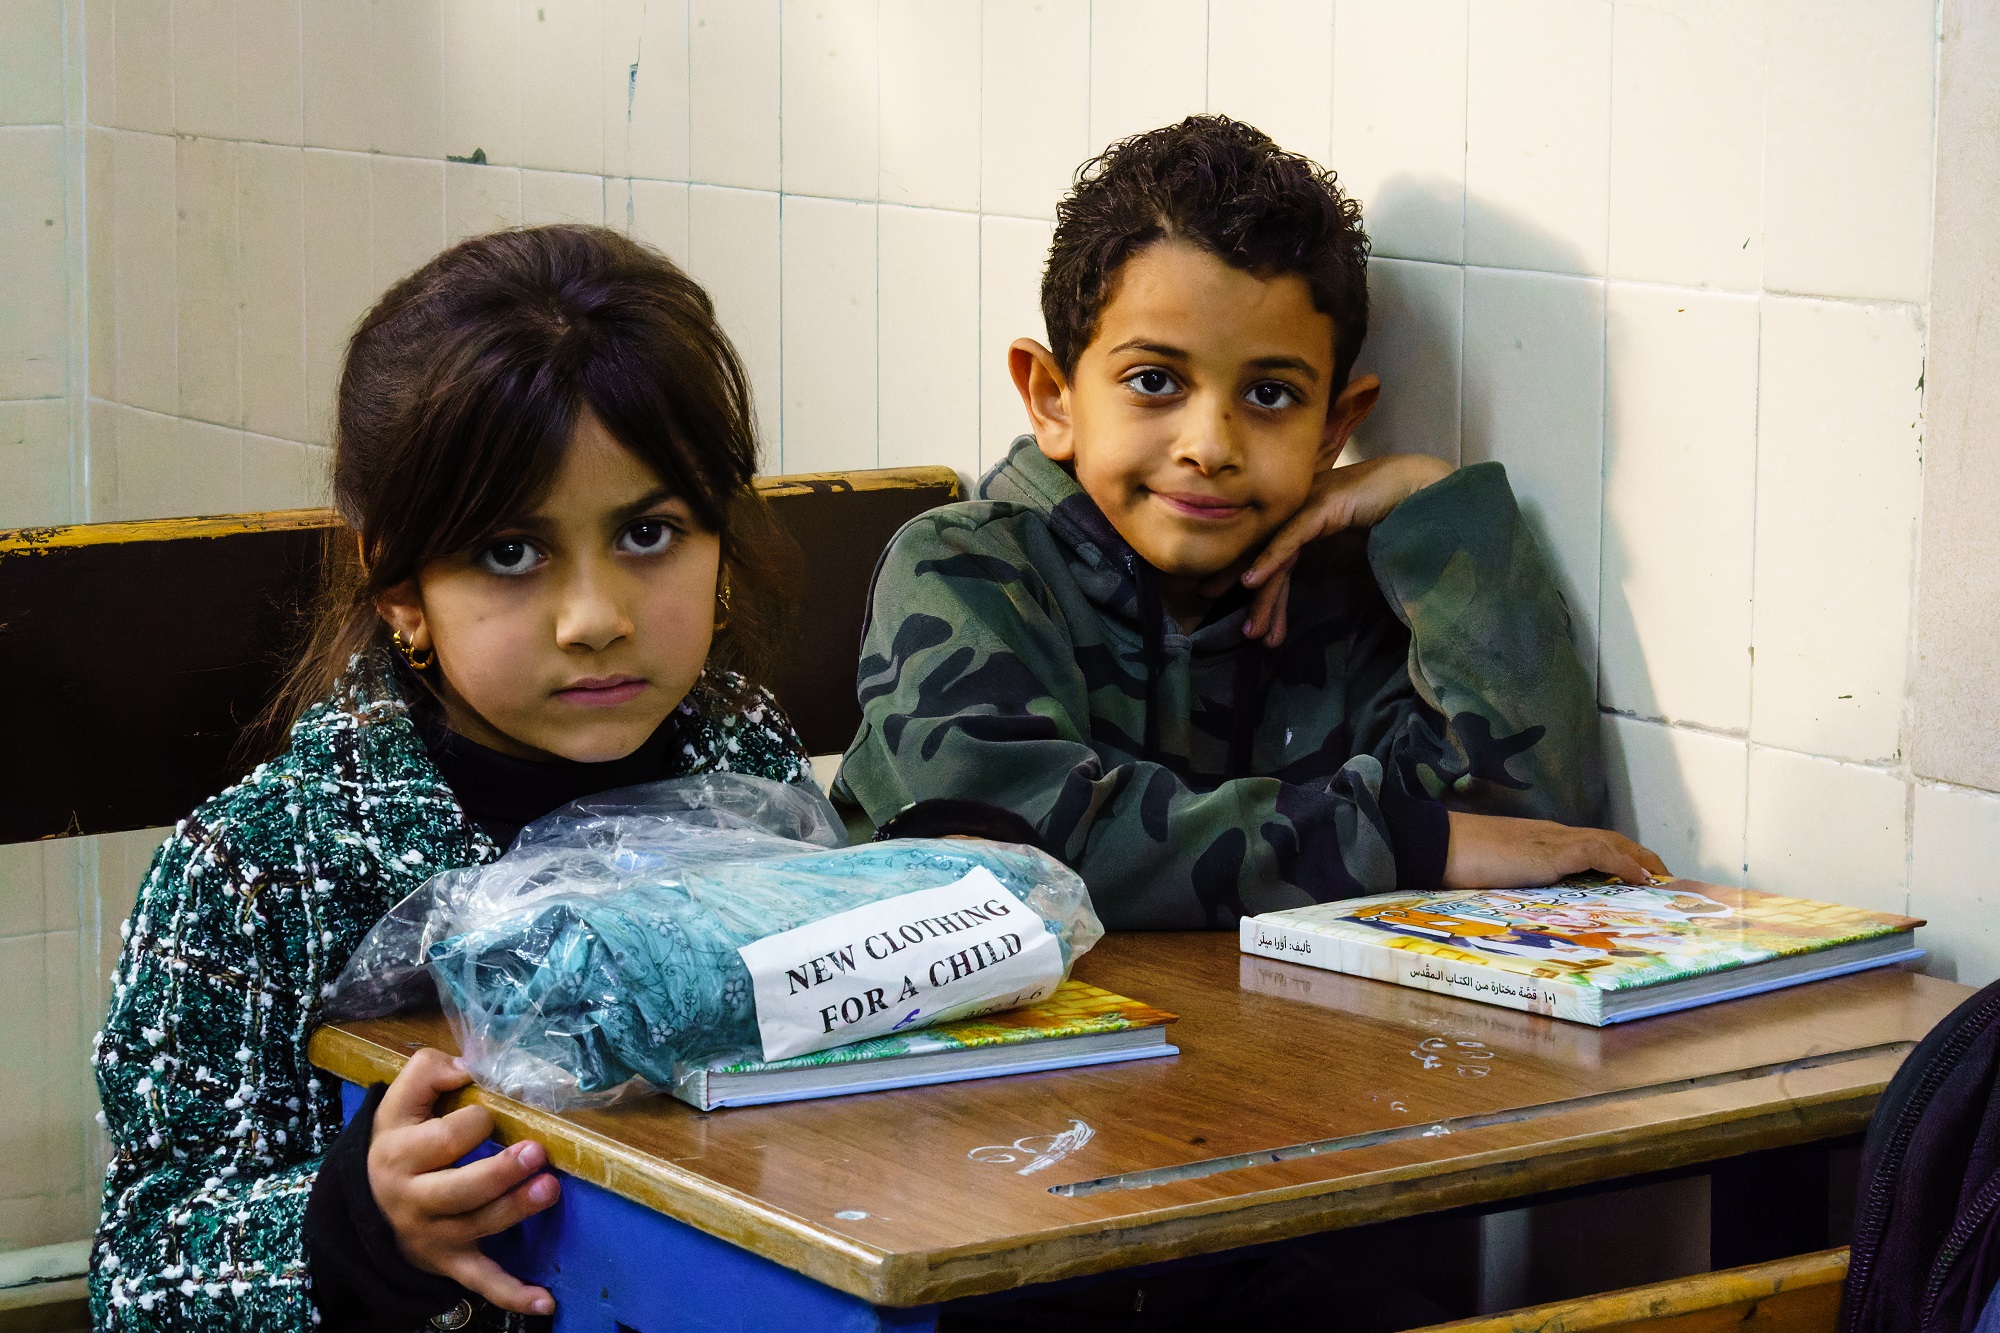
1045	394
1347	413
402	609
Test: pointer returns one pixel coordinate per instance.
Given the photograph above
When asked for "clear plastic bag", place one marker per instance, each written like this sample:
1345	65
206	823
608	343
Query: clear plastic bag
604	947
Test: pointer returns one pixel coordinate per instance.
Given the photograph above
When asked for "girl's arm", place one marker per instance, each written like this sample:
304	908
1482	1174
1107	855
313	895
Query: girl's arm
221	1127
217	1121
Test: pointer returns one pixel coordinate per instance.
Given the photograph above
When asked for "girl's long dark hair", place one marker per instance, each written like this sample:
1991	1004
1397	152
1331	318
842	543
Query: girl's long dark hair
458	398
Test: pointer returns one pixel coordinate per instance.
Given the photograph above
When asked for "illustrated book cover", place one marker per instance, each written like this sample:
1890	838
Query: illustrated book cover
1589	951
1078	1025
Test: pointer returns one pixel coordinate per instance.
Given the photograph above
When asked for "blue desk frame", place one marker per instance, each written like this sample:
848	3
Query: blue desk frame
602	1258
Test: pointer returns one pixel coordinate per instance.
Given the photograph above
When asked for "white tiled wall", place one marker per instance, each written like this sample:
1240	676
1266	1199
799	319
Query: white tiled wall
1634	251
40	252
49	1153
58	942
1668	260
1665	260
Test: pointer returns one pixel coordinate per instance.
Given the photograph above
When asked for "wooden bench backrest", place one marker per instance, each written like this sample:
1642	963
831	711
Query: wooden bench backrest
133	654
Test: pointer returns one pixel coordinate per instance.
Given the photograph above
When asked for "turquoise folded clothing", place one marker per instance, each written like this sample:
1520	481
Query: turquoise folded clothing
704	918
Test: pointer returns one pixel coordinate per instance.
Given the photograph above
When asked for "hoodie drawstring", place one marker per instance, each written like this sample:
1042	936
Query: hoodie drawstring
1152	621
1253	677
1253	680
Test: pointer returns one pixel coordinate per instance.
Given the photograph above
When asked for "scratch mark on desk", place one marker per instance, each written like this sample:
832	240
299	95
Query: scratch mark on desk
1466	1057
1045	1149
1168	1175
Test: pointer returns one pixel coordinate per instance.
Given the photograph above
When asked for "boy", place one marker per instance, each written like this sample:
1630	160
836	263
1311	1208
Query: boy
1217	675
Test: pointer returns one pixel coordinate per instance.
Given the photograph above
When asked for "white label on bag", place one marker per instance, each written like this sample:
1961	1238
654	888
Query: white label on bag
967	948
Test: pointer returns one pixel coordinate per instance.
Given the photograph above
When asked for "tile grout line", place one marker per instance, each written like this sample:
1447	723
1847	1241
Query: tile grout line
173	205
1464	214
875	218
979	272
1756	438
687	141
1886	767
86	879
1604	351
304	404
779	6
1911	658
78	245
1658	284
662	180
236	313
91	998
1089	69
1605	371
77	395
1464	195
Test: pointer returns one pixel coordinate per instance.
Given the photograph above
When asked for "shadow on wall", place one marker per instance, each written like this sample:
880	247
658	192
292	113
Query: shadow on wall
1484	362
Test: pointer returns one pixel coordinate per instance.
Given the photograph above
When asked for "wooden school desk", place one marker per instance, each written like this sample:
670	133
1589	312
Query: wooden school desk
1302	1101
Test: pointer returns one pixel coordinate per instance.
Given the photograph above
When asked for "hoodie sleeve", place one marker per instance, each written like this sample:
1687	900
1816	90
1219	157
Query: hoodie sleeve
1492	651
972	687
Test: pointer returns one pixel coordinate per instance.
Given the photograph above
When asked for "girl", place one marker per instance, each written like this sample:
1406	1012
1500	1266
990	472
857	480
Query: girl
544	448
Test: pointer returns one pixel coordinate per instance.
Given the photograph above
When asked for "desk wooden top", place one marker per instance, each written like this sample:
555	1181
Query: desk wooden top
1301	1101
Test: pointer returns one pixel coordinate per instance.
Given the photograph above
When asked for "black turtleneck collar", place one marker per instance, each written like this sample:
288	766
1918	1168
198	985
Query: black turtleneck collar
502	794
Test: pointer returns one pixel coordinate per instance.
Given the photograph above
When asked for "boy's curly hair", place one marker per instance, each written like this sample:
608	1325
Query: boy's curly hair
1226	187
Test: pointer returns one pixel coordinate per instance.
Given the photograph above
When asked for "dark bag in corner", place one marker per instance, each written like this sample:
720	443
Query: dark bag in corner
1926	1251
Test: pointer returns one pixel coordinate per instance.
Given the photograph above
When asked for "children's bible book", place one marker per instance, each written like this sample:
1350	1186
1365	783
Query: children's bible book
1078	1025
1591	952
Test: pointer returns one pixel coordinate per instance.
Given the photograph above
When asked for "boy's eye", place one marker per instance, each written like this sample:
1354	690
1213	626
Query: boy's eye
509	558
1152	383
648	536
1270	394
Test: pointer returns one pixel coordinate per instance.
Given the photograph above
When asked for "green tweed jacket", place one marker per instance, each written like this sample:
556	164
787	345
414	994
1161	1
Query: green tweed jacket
1016	652
247	916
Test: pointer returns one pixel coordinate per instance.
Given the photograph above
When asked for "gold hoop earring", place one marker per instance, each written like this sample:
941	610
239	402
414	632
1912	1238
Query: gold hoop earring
418	658
722	600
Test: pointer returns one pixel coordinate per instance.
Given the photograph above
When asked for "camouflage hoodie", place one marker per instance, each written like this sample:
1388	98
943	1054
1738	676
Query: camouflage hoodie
1016	652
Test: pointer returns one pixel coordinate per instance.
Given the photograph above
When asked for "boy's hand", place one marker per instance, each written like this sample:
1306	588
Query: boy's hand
1495	852
440	1211
1359	495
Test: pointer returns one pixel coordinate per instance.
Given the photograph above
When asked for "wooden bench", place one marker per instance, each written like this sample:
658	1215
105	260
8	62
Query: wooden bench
154	643
1800	1294
133	654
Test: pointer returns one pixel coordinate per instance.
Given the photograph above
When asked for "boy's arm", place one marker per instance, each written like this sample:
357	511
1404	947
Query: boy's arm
1491	649
970	688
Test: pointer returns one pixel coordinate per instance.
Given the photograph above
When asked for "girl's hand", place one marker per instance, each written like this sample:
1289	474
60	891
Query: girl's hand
1495	852
1359	495
440	1211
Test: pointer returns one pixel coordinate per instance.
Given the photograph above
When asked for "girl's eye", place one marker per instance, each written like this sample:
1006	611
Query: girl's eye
509	558
1152	383
648	536
1271	394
